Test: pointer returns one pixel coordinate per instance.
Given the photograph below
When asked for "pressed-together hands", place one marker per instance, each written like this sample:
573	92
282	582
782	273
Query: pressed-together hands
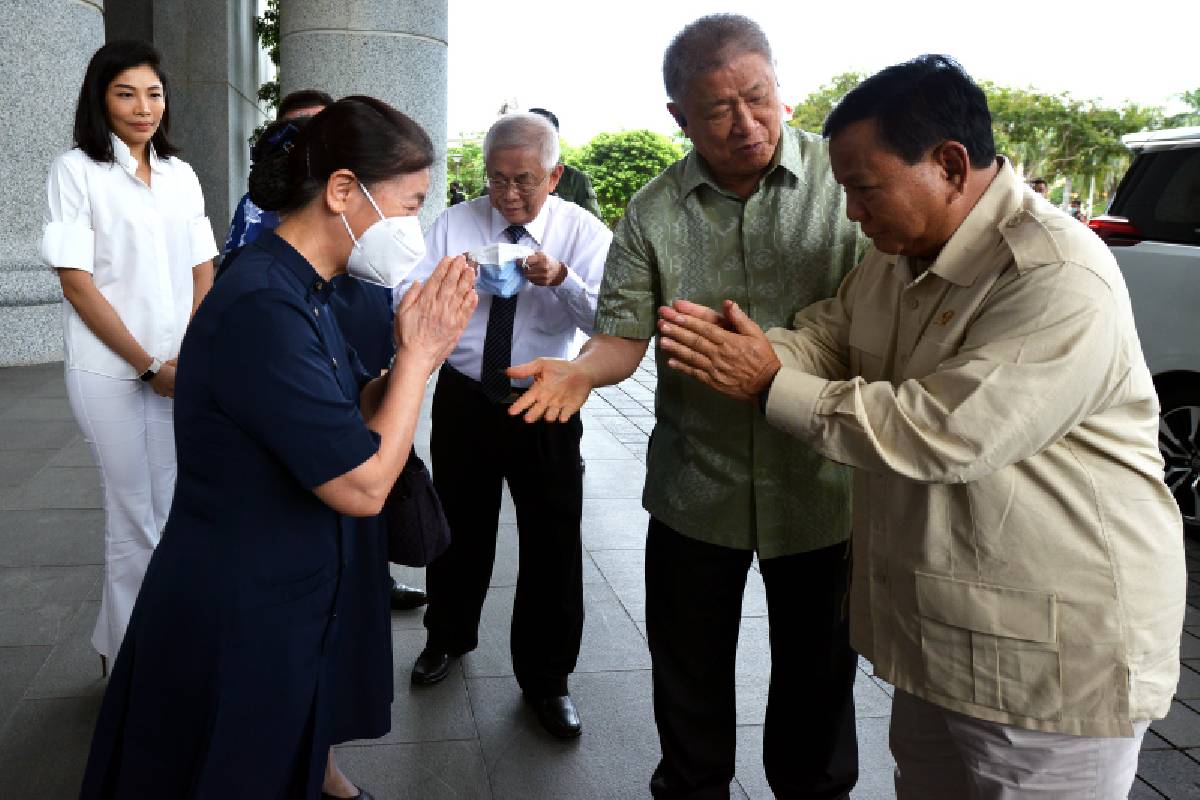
729	353
432	316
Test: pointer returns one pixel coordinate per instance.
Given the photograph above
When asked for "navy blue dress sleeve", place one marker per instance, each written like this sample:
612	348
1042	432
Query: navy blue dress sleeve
274	376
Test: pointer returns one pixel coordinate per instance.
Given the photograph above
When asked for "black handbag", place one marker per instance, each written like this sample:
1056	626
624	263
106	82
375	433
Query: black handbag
416	523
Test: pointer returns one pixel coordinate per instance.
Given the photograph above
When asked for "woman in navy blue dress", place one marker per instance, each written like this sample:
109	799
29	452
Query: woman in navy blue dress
225	684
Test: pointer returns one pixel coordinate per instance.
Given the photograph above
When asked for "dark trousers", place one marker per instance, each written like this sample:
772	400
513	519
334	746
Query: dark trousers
475	445
693	610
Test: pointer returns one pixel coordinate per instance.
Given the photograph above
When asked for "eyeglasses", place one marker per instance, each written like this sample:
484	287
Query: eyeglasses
524	184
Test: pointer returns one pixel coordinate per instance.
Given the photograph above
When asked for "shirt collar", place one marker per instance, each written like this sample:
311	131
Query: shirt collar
124	156
536	228
965	255
786	156
296	264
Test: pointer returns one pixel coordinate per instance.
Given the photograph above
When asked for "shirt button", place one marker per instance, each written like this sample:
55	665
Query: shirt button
335	363
319	286
316	311
913	303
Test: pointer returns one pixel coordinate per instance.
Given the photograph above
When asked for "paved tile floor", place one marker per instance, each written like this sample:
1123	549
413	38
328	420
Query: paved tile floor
470	736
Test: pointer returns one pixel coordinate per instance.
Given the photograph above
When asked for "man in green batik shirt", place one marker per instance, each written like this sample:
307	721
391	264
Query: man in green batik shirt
752	214
574	186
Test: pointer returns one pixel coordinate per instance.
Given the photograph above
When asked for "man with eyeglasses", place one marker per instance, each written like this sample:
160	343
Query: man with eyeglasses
540	262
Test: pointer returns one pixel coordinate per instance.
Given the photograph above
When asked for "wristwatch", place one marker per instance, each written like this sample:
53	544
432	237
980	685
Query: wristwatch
151	371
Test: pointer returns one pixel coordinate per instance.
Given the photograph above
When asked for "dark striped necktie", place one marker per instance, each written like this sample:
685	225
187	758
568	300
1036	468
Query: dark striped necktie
497	342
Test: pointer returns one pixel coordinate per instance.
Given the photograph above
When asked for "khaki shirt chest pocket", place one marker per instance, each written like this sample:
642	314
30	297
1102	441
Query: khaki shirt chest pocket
867	351
993	646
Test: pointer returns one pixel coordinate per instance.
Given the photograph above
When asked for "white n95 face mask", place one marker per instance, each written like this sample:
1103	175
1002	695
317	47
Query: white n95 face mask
500	271
387	251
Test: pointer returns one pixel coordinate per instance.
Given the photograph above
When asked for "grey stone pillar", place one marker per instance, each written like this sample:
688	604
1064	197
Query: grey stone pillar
212	58
43	53
390	50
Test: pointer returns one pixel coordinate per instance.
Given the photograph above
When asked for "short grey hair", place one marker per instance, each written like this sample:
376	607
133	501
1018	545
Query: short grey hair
707	44
523	130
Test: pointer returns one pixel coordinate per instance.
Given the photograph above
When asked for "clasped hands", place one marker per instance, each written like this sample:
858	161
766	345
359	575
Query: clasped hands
432	316
728	353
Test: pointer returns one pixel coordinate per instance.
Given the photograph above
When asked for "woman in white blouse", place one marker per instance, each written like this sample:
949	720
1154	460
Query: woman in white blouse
126	231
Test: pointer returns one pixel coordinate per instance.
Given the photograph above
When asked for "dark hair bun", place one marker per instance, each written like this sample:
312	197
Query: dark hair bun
270	181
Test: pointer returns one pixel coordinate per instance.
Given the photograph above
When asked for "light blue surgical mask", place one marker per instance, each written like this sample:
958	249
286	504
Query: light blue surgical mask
501	268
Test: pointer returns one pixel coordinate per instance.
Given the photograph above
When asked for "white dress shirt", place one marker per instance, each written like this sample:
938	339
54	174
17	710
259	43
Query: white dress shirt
547	316
139	242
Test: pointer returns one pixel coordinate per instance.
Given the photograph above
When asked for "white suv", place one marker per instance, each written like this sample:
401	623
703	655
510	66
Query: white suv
1153	228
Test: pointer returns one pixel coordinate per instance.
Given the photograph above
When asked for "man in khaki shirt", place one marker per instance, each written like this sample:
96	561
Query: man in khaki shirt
1018	562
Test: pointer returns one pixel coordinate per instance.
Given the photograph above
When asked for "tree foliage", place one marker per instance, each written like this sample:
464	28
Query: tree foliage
266	29
810	113
1192	115
621	163
1070	142
464	163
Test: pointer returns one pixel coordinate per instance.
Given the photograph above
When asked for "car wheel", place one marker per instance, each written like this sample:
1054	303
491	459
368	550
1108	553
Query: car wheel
1179	441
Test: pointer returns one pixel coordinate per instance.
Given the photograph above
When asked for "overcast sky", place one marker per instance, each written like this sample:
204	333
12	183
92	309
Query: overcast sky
597	64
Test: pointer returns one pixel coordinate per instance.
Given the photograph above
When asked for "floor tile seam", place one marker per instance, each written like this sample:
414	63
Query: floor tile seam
1152	788
487	773
366	743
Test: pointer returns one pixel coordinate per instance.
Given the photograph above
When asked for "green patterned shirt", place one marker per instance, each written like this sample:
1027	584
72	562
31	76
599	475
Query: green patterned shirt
716	471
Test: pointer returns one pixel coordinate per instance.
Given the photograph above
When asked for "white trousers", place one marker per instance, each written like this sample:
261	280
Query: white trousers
131	432
944	755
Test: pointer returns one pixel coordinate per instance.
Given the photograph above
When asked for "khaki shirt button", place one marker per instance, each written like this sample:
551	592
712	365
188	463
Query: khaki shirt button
913	303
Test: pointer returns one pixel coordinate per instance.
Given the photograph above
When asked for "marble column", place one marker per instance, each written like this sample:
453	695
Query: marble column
393	51
43	54
211	55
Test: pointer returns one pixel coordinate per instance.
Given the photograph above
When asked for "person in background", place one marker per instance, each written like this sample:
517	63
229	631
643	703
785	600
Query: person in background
248	219
1039	186
531	306
1076	210
1019	569
456	193
754	213
574	186
125	230
228	682
363	311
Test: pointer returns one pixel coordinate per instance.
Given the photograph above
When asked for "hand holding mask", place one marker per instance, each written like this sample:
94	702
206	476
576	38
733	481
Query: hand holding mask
500	268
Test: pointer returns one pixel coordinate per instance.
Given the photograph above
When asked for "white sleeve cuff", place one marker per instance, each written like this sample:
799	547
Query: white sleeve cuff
204	246
71	245
572	285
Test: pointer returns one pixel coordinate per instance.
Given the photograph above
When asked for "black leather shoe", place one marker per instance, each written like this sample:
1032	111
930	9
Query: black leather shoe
431	667
406	598
558	715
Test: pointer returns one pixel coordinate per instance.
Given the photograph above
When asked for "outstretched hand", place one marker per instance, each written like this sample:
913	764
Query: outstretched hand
729	352
560	388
